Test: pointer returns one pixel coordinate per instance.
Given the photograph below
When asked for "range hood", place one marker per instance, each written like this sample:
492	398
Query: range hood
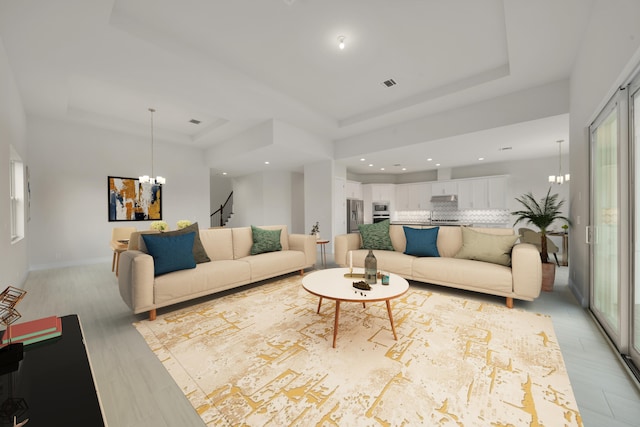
444	198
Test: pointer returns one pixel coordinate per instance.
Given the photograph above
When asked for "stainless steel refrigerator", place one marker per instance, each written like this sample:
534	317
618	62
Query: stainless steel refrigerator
355	215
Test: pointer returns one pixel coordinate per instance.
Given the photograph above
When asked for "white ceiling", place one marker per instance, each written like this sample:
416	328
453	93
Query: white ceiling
236	64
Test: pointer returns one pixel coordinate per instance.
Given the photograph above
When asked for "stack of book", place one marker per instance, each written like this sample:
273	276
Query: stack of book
33	331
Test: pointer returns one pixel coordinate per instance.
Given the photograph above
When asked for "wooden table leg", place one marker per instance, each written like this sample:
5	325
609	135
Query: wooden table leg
319	304
335	324
393	328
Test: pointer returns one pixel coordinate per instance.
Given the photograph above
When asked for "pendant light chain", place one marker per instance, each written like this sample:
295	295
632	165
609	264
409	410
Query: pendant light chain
145	179
151	110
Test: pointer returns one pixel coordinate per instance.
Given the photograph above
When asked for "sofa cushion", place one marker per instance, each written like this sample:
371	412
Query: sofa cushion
218	242
463	273
265	240
170	253
486	247
376	236
421	242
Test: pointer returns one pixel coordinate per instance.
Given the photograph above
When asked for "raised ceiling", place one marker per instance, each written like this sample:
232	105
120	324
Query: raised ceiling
235	64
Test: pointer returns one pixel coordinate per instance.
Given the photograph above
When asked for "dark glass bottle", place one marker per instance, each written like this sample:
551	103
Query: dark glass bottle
370	268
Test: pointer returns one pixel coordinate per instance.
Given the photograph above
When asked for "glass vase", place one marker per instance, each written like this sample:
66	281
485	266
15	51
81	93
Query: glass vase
370	268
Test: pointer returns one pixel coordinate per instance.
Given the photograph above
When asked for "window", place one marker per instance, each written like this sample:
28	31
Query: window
16	194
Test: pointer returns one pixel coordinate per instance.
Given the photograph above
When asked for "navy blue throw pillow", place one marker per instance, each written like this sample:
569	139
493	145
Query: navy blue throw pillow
422	242
170	253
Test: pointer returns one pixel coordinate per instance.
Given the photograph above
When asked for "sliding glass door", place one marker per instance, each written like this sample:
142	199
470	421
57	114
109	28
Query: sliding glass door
605	215
615	221
634	297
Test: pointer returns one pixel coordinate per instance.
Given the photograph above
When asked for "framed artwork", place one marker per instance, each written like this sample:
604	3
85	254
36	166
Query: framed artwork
130	200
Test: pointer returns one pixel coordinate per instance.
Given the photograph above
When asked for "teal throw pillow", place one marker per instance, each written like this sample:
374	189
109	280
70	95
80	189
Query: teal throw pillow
199	253
265	240
422	242
170	253
376	236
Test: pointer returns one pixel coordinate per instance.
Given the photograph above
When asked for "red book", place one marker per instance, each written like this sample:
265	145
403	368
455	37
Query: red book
41	337
26	330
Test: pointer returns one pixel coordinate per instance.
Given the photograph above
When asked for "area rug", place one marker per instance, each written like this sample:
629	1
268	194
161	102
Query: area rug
263	356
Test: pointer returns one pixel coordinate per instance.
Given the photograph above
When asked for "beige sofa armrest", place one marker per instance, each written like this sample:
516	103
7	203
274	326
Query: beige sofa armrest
526	269
343	244
135	280
305	243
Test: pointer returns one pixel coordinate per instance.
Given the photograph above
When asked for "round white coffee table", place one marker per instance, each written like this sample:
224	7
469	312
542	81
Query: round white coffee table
332	284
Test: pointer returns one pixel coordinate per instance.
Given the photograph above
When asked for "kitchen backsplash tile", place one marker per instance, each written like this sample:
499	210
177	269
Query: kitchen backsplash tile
449	211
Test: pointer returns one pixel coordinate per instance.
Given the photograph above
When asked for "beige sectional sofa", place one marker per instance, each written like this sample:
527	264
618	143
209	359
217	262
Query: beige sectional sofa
521	280
231	265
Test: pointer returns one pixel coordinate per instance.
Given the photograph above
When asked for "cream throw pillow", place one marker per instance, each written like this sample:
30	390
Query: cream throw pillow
486	247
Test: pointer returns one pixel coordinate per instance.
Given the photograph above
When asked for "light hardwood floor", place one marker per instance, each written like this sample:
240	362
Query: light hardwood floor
137	391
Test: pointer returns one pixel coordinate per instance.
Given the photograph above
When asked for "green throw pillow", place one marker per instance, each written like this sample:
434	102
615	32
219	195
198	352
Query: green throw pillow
199	253
265	240
485	247
376	236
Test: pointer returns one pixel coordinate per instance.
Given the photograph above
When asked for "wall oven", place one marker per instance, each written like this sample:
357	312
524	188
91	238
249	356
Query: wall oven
380	211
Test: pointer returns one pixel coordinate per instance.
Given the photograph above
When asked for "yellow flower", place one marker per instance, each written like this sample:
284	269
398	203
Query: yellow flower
183	223
159	225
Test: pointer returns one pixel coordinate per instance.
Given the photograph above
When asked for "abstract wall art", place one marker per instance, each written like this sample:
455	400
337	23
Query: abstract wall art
130	200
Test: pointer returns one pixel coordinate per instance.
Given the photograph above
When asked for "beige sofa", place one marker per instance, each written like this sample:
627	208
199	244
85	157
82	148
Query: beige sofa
231	266
522	280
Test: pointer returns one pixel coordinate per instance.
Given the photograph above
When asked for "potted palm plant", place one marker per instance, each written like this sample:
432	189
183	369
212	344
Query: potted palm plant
542	214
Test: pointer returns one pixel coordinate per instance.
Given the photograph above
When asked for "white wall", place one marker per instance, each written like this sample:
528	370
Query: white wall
605	60
318	204
13	257
69	166
264	199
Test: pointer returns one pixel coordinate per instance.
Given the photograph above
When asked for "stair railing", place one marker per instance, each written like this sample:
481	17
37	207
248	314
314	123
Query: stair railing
220	217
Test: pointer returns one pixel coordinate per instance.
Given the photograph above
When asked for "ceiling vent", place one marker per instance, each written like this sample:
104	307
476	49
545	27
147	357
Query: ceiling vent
389	83
195	121
505	148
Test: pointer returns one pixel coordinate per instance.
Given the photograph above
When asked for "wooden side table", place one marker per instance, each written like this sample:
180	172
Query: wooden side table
323	251
564	261
118	247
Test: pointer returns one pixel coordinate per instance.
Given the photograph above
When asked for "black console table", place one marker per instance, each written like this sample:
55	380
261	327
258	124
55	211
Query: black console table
53	385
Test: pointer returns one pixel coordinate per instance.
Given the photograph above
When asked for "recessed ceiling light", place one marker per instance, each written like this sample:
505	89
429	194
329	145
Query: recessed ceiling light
429	159
363	159
480	158
370	164
341	42
266	163
404	169
224	173
381	169
437	164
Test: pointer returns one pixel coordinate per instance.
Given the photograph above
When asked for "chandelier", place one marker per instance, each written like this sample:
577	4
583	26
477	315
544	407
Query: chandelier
146	179
559	179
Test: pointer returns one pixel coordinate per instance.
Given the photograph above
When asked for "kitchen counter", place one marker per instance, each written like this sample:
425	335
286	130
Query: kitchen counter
434	223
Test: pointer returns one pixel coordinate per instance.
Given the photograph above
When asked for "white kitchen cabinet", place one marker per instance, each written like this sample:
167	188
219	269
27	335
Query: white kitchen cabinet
473	194
420	196
444	188
497	192
413	197
402	197
383	192
354	190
